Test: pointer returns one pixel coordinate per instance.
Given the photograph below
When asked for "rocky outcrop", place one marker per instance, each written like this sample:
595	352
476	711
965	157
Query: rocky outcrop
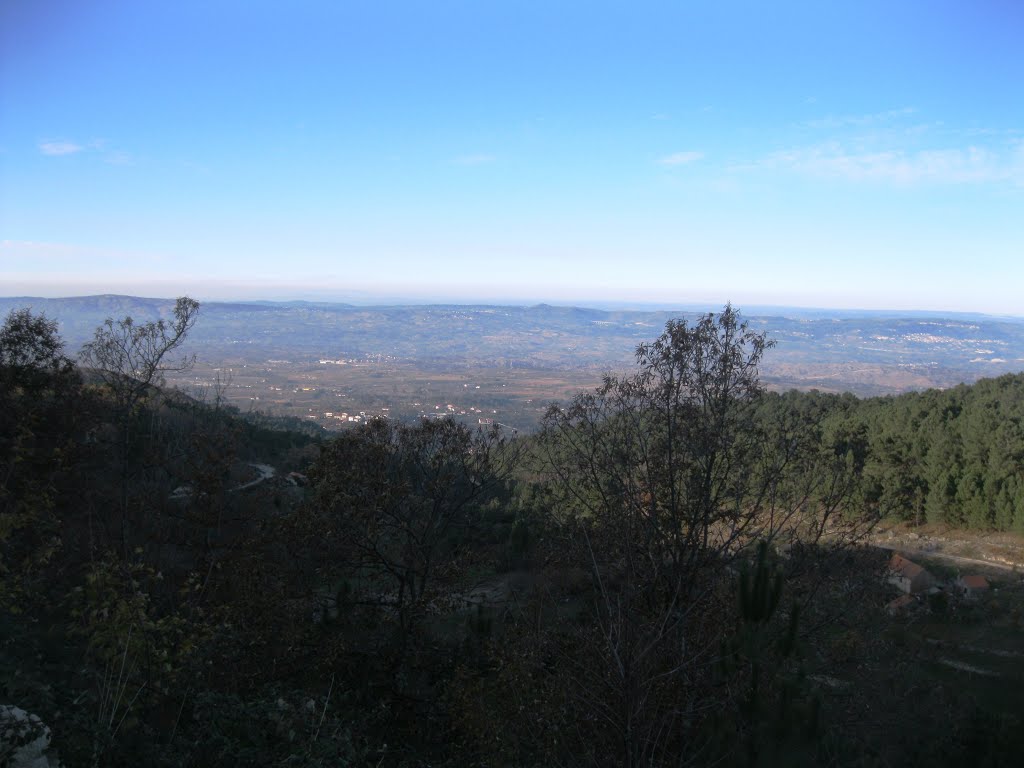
24	740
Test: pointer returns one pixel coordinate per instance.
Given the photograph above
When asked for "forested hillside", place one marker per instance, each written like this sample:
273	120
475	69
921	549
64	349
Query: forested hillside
952	456
671	572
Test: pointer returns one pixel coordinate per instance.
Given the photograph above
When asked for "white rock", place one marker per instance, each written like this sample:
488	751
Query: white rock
24	740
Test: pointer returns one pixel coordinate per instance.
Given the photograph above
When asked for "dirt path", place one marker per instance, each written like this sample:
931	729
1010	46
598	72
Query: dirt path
936	554
265	473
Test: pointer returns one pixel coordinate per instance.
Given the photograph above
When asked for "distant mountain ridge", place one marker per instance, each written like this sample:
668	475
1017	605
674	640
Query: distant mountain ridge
868	352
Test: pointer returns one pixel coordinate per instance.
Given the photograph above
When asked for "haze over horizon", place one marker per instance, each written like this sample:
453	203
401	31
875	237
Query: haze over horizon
867	157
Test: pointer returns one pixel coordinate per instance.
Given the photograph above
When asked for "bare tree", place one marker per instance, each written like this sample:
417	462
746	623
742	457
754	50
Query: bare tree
132	359
666	477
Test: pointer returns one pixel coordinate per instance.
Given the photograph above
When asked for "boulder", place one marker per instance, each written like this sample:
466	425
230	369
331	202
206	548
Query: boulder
24	740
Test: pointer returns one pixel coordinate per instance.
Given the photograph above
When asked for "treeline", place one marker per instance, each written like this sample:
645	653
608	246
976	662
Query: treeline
951	456
955	457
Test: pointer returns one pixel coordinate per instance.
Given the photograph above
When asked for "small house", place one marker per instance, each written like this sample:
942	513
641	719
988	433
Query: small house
910	577
972	586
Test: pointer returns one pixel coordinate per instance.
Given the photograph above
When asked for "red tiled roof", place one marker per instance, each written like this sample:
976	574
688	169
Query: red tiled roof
974	581
904	567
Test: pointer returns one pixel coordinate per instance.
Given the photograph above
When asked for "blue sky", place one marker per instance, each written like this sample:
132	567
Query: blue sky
869	155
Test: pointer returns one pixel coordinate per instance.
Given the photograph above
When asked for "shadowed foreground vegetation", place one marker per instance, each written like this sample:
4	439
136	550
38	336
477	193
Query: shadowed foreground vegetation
671	572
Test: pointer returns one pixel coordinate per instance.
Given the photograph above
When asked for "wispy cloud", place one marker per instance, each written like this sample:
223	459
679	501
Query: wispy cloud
55	148
967	165
871	118
117	157
681	158
101	147
479	158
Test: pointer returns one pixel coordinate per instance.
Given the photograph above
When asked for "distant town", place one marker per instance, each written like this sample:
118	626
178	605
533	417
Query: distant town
336	393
